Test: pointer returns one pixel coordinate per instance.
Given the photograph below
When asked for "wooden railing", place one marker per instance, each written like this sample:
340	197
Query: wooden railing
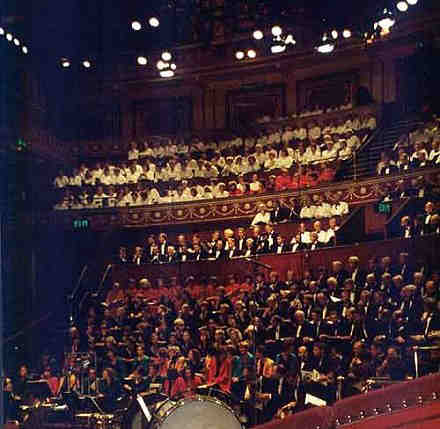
408	405
424	248
355	193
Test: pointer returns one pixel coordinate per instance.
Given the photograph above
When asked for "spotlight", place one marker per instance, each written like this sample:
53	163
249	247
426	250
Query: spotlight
258	34
2	31
290	40
386	21
334	34
327	46
278	48
166	56
276	30
154	22
402	6
9	37
239	55
412	2
173	66
87	64
160	65
167	73
24	49
65	63
346	33
136	25
16	42
251	53
142	61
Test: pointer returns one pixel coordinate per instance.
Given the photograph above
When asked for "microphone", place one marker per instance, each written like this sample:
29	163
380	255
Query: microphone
268	267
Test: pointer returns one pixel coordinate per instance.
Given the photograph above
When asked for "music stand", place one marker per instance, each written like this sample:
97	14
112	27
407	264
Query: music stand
38	389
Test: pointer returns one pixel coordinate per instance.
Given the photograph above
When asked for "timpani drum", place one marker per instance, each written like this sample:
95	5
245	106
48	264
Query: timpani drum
195	412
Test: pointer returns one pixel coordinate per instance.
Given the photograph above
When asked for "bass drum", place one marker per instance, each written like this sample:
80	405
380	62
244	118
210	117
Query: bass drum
196	412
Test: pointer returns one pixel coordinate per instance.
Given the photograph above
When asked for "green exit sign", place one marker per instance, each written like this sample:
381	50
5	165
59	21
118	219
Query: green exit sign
384	207
81	224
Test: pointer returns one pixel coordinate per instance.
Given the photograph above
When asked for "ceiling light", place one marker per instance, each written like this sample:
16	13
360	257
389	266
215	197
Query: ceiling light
2	31
87	64
239	55
160	65
173	66
142	61
290	40
166	56
346	33
276	30
412	2
24	49
9	37
334	34
386	21
258	34
251	53
167	73
402	6
16	42
65	63
154	22
136	25
277	48
327	46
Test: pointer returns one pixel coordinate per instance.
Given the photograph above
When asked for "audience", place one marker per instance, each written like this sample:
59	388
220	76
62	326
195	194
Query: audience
168	171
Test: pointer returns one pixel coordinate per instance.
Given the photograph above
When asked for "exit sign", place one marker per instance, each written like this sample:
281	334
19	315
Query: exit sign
81	224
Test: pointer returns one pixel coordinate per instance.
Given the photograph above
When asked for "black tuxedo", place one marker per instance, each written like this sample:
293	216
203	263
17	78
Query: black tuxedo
358	278
232	253
138	260
315	245
163	248
270	242
217	253
280	214
281	249
249	252
241	245
198	256
297	247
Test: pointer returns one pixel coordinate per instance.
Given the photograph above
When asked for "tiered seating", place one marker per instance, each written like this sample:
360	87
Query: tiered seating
175	171
418	148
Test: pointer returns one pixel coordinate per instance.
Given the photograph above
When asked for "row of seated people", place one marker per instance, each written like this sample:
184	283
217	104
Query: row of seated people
314	110
419	188
418	149
213	165
149	193
239	244
266	341
423	223
344	321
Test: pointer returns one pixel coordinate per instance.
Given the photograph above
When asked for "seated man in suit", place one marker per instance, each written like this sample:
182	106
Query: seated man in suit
296	243
279	213
281	245
171	255
314	244
198	253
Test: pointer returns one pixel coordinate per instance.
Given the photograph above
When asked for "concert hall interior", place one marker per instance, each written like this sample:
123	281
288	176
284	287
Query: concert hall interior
220	214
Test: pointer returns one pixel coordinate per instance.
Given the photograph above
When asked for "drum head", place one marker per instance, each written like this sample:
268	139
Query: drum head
200	413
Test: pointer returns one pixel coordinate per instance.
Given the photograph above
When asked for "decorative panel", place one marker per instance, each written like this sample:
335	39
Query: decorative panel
171	115
246	105
330	90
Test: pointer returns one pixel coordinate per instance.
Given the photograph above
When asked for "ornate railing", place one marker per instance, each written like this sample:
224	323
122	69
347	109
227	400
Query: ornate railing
355	193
